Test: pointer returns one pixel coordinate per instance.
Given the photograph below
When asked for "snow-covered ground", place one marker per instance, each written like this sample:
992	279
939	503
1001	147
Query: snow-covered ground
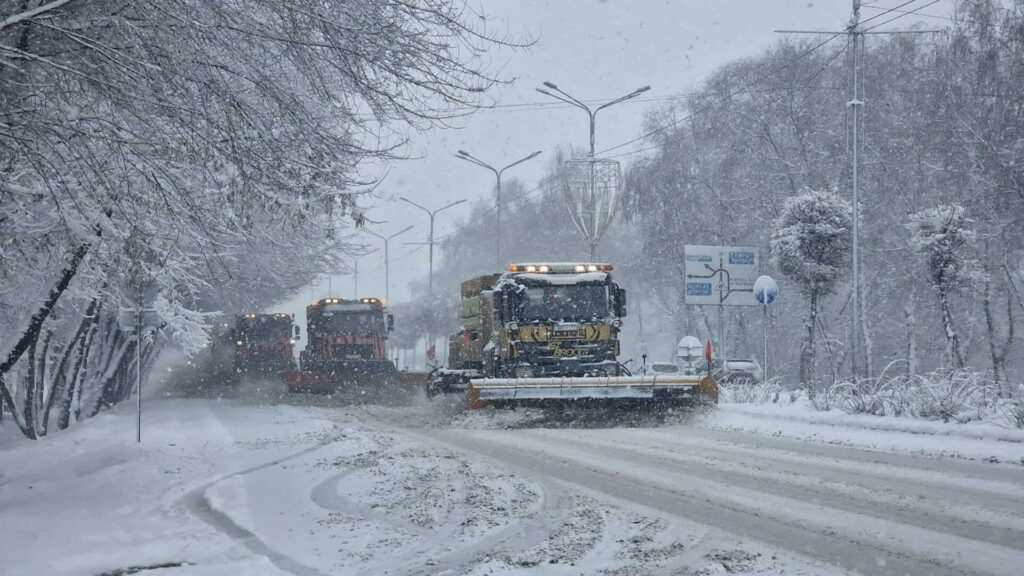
266	484
92	501
972	440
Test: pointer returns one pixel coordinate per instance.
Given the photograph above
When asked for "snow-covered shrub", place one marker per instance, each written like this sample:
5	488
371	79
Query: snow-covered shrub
1012	408
1017	413
750	392
822	400
947	395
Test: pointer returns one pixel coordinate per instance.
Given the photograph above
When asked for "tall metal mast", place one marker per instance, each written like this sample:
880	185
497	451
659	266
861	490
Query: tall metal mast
856	32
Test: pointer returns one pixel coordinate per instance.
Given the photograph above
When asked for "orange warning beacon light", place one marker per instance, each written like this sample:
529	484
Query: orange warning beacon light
707	355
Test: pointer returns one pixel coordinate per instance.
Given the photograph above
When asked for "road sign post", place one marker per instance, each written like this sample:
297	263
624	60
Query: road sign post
135	319
765	291
720	276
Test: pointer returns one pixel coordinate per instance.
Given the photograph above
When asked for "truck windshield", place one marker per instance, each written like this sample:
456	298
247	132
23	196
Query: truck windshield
354	323
572	303
263	330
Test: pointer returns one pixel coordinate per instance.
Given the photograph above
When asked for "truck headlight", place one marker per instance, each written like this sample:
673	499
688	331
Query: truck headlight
239	342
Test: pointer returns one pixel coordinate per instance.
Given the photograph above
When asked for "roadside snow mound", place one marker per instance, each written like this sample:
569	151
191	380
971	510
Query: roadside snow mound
949	396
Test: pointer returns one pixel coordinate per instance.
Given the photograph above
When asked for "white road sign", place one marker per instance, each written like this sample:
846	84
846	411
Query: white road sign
721	275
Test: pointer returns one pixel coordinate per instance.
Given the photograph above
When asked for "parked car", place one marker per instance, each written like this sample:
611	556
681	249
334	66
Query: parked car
739	371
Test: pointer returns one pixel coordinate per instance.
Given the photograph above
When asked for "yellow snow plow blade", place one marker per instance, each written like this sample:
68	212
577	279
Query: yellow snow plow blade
526	391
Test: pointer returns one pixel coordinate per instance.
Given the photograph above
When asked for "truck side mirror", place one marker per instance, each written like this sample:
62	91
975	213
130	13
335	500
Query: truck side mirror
502	304
295	333
620	303
391	322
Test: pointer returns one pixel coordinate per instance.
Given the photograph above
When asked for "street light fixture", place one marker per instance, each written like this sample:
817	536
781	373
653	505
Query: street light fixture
593	187
463	155
562	96
430	238
430	243
387	263
355	272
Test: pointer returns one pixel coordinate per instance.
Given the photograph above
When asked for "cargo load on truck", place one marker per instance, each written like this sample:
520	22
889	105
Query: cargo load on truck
346	348
549	332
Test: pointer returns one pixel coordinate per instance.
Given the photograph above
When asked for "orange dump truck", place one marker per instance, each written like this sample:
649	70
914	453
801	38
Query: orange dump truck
347	349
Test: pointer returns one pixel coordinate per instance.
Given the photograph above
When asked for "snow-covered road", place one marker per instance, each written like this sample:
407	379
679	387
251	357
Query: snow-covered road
871	513
262	483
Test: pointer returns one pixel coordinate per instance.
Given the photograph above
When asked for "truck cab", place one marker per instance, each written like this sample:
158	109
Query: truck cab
347	336
257	343
540	320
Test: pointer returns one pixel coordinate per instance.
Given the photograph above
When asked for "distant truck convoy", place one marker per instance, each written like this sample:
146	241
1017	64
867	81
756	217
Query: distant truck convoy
254	344
546	332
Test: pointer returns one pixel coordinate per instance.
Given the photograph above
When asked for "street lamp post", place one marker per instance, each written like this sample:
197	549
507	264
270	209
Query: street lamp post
355	272
592	113
591	221
387	277
463	155
430	244
430	239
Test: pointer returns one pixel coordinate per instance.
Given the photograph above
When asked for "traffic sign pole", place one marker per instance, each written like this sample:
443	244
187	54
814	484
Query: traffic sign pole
765	291
138	374
137	326
764	375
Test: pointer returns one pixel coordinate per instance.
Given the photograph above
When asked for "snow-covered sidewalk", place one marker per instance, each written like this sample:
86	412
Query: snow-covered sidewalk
92	501
974	441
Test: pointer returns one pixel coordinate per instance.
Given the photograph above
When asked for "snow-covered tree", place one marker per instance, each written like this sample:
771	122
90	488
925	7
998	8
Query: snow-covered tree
943	238
209	147
811	246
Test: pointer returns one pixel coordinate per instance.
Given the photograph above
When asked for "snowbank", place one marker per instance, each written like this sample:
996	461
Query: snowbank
799	420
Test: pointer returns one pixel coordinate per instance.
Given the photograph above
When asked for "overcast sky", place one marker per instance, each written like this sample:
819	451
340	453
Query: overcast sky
595	50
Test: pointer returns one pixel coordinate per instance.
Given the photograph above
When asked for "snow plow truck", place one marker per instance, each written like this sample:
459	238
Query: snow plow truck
253	344
346	349
546	333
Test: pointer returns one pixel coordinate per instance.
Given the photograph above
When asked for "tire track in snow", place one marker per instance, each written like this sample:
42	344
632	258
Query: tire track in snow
979	469
199	505
986	484
519	535
841	492
869	548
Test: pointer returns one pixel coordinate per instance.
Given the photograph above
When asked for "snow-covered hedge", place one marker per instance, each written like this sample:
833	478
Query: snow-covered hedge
947	395
752	392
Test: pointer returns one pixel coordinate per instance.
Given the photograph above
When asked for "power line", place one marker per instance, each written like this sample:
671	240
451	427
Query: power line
755	82
936	16
745	88
788	91
731	94
515	107
902	14
547	181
